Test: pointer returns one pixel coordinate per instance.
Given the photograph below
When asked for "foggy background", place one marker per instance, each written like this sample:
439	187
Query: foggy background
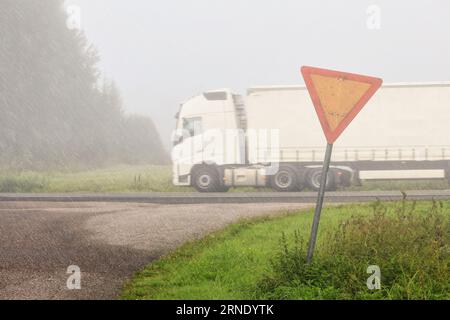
96	83
160	53
58	111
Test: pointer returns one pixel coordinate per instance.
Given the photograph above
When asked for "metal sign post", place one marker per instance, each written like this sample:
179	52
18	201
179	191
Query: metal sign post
338	97
323	184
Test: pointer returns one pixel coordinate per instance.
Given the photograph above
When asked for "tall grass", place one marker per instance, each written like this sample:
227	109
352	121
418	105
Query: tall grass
411	249
23	182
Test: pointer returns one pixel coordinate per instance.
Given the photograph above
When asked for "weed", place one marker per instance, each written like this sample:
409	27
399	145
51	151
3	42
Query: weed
411	248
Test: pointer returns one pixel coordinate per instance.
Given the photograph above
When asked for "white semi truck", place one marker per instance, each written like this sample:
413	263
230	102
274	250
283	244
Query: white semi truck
272	138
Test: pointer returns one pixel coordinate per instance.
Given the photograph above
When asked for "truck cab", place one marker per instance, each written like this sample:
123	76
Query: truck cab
208	136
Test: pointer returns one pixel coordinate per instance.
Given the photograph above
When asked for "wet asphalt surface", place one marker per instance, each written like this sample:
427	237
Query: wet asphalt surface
108	241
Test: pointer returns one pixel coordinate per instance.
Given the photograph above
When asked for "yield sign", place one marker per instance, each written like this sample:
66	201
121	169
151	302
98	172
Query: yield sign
338	97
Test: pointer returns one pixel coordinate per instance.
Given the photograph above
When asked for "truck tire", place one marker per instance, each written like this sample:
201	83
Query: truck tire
287	179
313	177
206	179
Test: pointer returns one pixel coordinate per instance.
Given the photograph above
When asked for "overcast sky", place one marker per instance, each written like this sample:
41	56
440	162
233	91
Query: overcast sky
162	52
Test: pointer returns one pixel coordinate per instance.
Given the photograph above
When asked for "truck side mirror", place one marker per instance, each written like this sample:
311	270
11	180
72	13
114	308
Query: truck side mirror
177	139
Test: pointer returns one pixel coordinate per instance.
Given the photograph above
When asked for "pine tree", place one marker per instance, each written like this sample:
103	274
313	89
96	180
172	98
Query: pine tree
53	112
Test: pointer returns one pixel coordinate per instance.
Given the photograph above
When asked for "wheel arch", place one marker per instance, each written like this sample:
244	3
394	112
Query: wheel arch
218	173
203	165
298	176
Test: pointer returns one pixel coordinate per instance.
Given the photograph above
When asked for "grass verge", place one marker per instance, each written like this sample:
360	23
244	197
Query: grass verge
114	179
264	259
147	179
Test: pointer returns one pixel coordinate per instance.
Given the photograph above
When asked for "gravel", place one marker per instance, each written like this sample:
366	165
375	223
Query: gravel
108	241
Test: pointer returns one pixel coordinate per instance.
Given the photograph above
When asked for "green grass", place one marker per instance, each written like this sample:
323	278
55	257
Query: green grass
115	179
146	179
264	259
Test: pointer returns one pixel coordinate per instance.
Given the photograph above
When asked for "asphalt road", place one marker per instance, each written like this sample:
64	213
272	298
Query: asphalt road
108	241
228	198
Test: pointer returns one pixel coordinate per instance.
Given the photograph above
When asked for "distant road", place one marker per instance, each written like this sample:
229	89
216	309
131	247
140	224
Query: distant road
252	197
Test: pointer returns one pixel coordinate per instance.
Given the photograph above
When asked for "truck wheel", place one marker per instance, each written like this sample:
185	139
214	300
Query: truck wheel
206	179
286	180
314	176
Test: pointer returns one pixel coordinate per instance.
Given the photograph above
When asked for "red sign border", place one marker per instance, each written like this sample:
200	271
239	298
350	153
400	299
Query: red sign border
331	135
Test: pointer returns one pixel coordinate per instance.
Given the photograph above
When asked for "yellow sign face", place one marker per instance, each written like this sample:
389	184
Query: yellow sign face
338	97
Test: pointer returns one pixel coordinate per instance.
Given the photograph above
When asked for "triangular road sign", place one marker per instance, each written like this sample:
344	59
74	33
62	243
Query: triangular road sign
338	97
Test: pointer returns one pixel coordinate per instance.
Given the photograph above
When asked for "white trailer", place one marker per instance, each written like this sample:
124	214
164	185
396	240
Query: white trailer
272	137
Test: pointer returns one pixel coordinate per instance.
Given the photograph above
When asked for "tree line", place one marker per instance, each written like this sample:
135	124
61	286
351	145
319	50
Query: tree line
55	110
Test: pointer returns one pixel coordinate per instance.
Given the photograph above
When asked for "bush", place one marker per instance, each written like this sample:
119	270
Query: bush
410	247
